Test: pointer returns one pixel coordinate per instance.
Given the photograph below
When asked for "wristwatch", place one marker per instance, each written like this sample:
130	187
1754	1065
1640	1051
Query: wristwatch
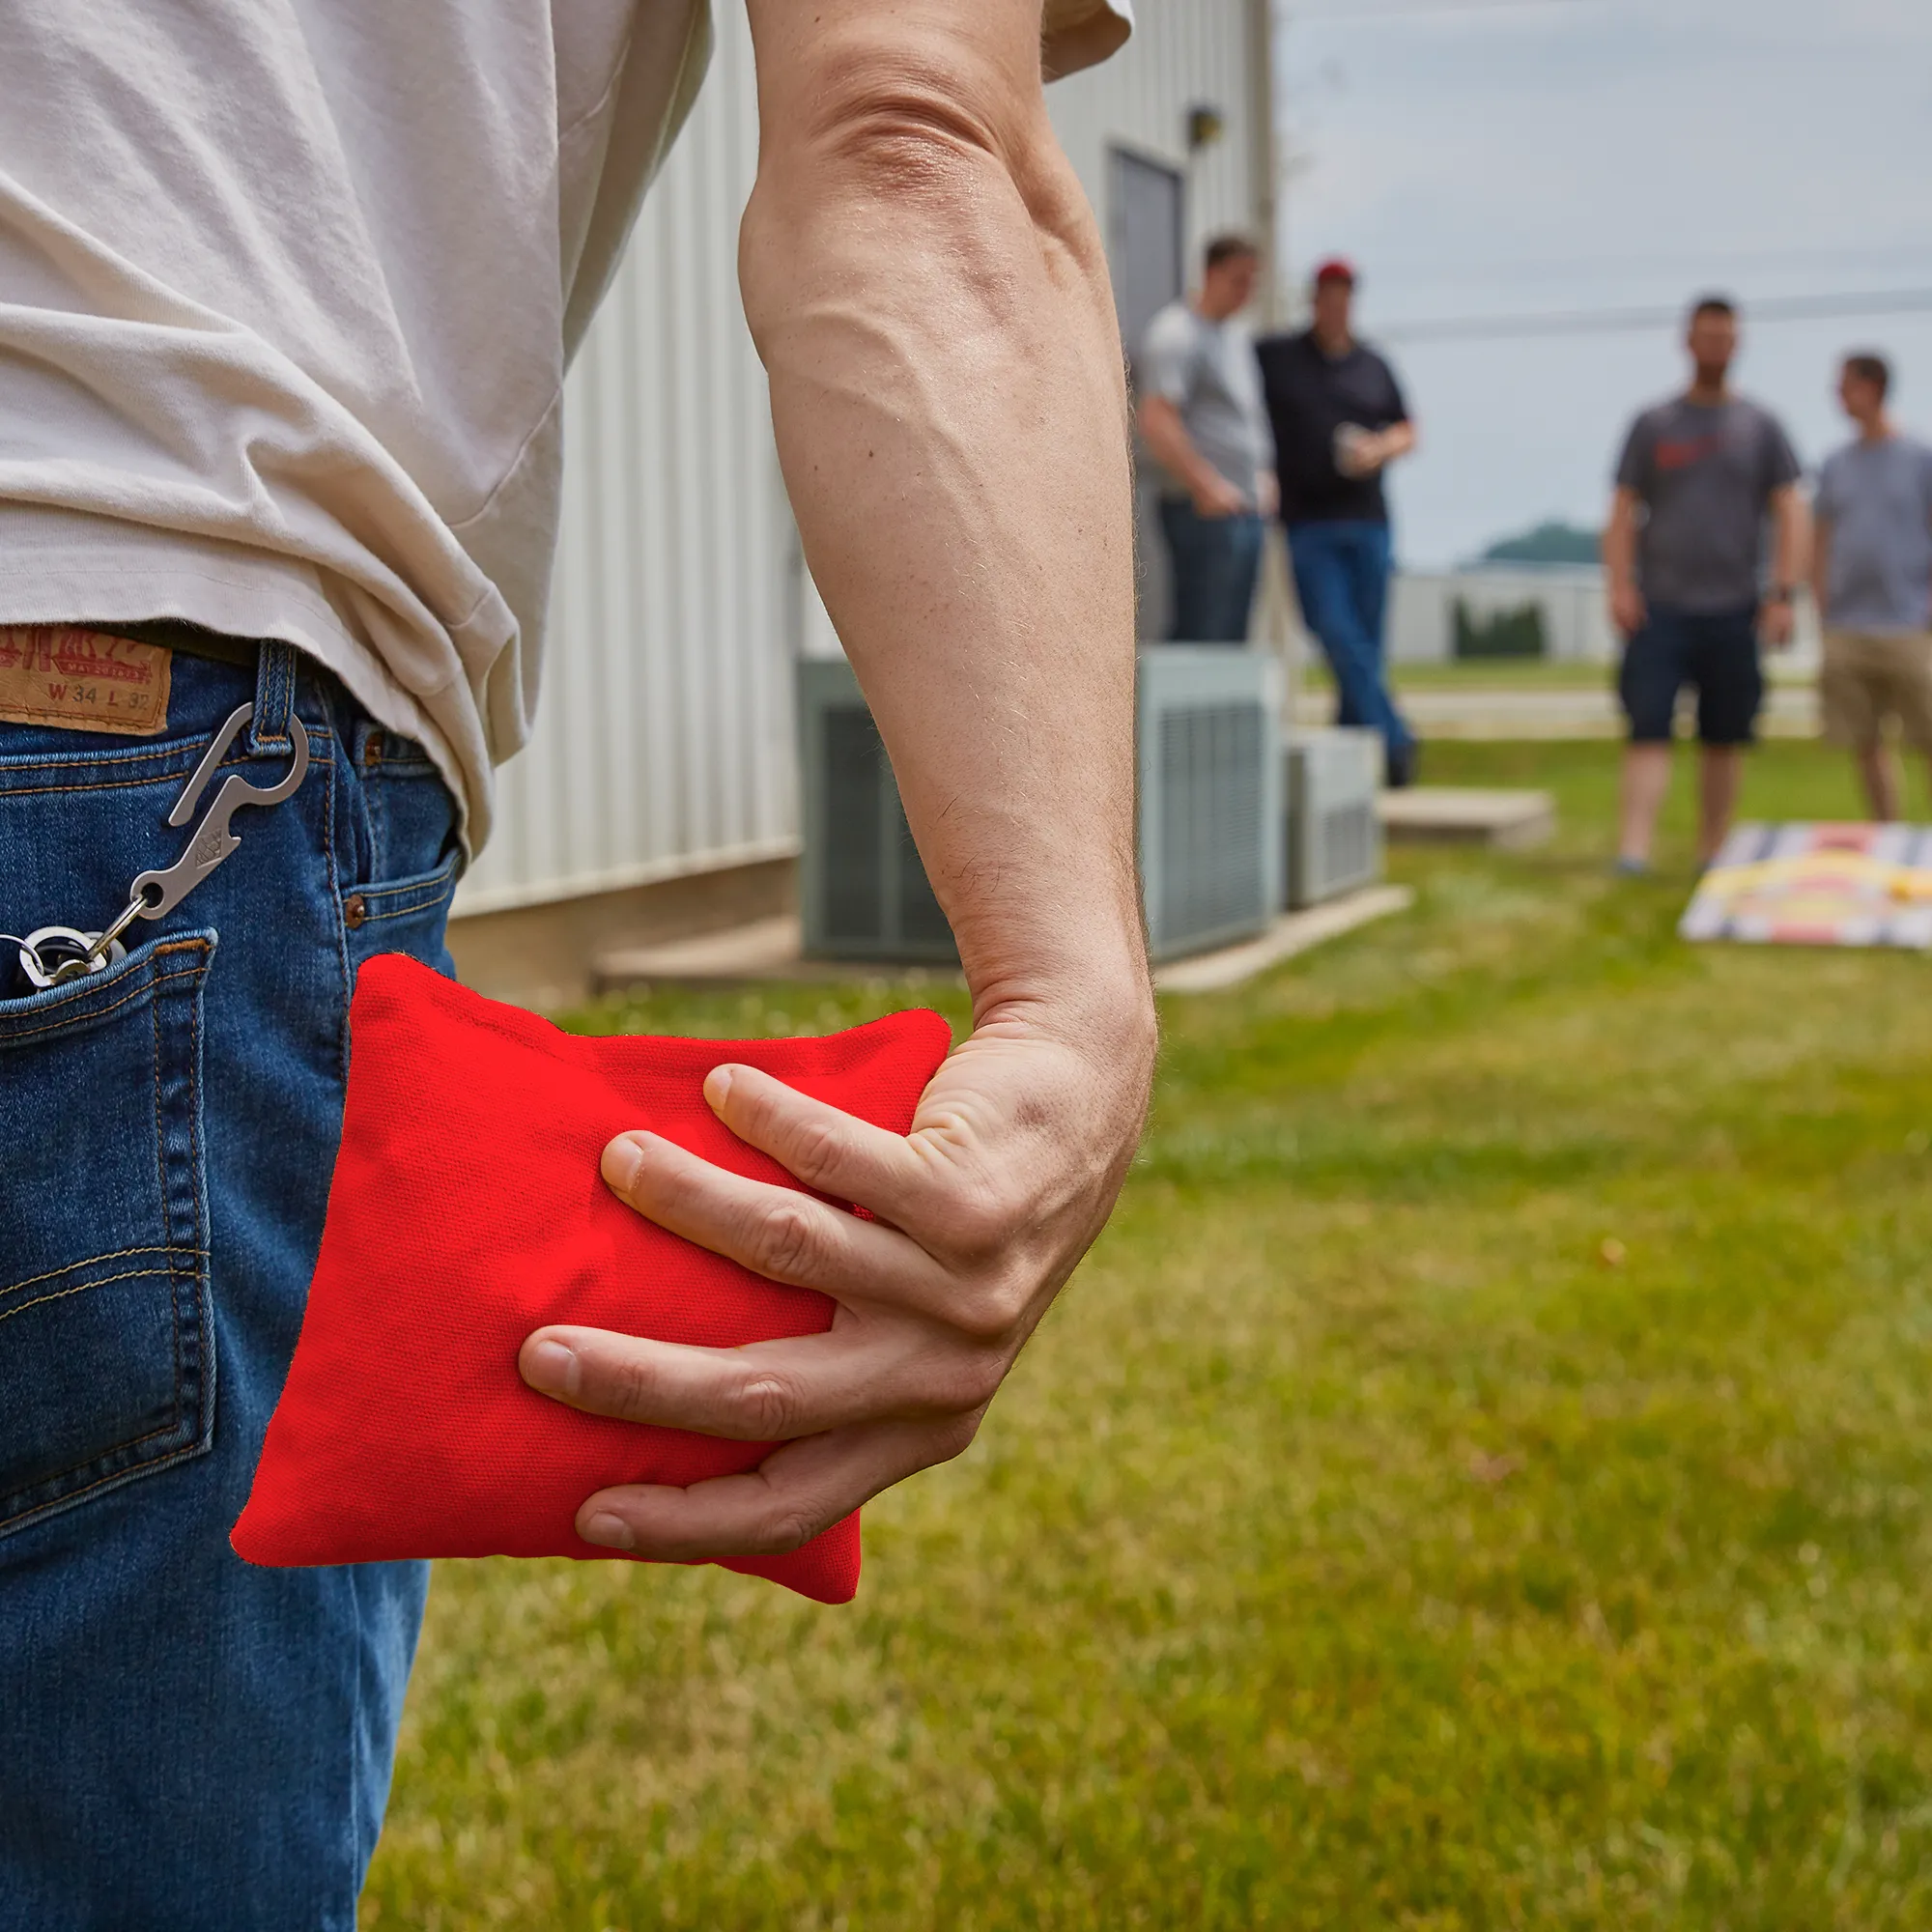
1779	593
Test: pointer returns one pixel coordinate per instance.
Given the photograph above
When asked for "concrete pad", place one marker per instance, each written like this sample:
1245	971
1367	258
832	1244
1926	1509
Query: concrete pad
1292	934
769	950
1466	815
765	949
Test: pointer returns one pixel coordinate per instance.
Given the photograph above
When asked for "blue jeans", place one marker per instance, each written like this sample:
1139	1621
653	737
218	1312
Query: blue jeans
187	1741
1214	561
1341	579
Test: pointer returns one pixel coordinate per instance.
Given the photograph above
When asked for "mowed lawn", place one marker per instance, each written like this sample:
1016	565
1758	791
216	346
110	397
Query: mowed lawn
1481	1479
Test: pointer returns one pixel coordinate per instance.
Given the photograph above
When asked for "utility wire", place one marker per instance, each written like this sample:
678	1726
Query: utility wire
1400	8
1612	321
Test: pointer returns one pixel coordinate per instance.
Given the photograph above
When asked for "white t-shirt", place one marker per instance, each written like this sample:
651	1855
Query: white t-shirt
1209	372
287	289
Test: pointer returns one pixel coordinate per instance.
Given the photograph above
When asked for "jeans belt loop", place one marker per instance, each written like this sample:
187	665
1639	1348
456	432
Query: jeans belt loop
275	697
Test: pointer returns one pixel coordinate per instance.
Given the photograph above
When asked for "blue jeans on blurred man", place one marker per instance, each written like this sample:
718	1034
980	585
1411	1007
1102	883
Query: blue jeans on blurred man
1214	561
1341	578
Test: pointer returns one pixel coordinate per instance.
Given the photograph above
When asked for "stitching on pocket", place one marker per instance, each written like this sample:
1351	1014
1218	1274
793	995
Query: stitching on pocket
112	1476
123	782
112	1255
182	1260
426	904
81	1288
96	1012
431	883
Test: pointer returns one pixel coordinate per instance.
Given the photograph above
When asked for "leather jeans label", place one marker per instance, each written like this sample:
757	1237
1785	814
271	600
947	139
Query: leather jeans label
82	680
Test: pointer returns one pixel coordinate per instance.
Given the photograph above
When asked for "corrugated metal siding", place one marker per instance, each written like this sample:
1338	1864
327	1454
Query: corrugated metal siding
663	737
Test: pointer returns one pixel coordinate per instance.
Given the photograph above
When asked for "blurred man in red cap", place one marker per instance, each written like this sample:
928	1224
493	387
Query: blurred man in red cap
1338	419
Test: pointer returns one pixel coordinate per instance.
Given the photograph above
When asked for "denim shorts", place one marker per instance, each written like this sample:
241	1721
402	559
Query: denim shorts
1714	651
188	1741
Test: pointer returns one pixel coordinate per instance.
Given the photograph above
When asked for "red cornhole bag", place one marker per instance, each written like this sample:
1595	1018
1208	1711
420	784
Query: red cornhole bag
465	1210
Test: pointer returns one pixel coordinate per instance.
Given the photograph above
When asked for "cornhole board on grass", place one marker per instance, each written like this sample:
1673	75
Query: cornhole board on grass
1817	885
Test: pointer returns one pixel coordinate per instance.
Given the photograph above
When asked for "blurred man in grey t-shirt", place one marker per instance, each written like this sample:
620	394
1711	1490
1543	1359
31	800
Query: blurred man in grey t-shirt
1871	573
1202	418
1683	560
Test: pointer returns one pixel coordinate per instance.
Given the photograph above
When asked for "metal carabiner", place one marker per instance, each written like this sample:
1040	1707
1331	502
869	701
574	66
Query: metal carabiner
158	893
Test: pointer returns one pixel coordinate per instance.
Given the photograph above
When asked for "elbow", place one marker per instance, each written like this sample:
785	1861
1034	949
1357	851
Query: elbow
940	146
930	125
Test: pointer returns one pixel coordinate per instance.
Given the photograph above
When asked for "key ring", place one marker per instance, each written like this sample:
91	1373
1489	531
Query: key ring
155	894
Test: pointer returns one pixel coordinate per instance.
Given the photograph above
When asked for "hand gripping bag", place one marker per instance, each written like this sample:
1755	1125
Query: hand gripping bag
465	1210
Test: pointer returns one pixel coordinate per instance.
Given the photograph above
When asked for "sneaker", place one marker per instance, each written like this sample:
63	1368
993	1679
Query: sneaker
1626	868
1400	765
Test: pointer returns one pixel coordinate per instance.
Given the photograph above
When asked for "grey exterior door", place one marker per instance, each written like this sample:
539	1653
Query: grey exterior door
1146	231
1147	218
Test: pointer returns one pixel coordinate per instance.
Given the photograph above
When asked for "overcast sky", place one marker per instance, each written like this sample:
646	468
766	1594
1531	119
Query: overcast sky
1587	153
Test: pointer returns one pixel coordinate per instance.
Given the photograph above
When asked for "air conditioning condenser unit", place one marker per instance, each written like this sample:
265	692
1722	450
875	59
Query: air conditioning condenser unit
1209	812
1210	800
1334	838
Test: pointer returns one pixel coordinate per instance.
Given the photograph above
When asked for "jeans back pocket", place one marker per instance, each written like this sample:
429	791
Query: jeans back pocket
106	1342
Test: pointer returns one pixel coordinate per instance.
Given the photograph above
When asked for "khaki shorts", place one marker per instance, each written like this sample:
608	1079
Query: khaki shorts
1868	678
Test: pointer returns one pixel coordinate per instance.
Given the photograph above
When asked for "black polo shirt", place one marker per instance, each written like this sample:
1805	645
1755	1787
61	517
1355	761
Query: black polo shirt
1309	397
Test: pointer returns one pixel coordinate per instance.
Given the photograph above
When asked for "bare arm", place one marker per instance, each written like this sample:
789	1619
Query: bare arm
1791	529
928	292
1375	451
1821	567
1394	442
1173	450
1626	600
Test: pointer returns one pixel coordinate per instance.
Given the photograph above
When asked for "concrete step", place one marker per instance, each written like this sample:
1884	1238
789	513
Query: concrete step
1466	815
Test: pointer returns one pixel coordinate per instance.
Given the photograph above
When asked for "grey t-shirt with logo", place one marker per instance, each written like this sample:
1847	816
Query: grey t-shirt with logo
1877	498
1705	474
1209	372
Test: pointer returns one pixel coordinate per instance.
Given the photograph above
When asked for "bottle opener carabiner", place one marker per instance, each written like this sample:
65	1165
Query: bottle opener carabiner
153	894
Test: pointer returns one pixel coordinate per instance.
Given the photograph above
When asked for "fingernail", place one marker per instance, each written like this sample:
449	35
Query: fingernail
718	1086
612	1531
622	1160
552	1367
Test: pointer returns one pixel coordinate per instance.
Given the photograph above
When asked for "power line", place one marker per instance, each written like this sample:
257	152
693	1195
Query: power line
1611	321
1699	262
1397	10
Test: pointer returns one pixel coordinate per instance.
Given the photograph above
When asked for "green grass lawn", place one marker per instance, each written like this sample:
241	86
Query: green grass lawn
1479	1480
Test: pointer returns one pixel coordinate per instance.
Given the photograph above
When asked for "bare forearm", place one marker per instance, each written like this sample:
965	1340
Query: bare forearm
929	296
1397	440
1821	568
1619	543
1172	447
1788	552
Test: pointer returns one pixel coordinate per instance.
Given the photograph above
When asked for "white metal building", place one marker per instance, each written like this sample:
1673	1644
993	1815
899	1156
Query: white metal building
664	749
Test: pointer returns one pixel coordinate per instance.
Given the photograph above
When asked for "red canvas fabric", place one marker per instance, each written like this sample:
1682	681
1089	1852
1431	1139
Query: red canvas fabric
465	1210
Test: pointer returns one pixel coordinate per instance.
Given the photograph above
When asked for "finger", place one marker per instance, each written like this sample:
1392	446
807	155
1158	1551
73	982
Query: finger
797	1493
834	1151
775	1230
764	1392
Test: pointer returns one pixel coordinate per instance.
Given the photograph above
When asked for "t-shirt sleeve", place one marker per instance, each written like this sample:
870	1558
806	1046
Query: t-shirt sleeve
1394	402
1781	466
1633	466
1076	34
1164	367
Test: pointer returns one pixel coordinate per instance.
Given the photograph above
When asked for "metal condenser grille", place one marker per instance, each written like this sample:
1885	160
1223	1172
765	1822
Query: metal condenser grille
1209	823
